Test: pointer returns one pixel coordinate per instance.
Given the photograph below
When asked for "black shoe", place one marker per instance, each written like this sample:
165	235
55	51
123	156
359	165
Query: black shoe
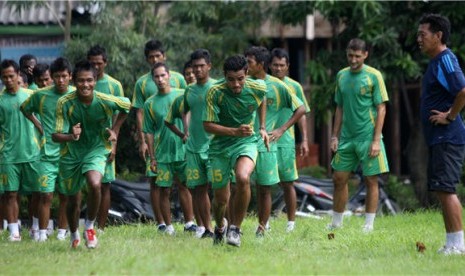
207	234
220	233
161	228
191	228
260	233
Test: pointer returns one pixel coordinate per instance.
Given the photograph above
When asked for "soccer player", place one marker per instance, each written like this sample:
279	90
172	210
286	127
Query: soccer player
167	158
442	99
278	97
42	77
43	102
286	155
188	73
20	168
83	122
198	140
358	122
27	63
232	104
97	56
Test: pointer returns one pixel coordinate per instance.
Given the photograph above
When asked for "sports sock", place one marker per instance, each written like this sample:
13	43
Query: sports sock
456	239
14	229
337	219
61	231
188	224
369	219
43	234
35	223
75	235
291	223
89	224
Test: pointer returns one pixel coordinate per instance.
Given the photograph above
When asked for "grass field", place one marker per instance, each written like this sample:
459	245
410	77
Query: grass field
139	249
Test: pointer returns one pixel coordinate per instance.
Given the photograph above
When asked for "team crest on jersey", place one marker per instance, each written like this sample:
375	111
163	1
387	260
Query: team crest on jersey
363	90
269	101
251	108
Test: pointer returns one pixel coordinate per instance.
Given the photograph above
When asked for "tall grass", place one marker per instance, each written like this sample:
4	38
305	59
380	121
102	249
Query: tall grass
139	249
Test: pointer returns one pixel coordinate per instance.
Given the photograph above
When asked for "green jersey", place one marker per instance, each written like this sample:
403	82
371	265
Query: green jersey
194	101
167	145
33	86
94	118
232	110
288	138
43	103
145	87
18	136
109	85
358	94
278	97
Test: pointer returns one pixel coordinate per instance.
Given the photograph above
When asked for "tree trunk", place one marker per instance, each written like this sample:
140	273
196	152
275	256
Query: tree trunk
69	8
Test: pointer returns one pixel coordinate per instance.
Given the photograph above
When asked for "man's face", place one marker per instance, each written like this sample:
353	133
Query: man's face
44	80
235	80
279	67
189	75
10	78
85	82
154	57
356	59
427	40
254	67
99	64
161	78
201	68
61	80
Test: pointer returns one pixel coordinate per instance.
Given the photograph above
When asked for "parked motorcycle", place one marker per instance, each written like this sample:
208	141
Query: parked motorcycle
315	198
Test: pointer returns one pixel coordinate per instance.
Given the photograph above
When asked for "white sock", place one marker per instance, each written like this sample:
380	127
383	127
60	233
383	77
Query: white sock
170	227
14	229
188	224
75	235
35	223
455	239
369	219
89	224
290	223
337	219
61	232
43	233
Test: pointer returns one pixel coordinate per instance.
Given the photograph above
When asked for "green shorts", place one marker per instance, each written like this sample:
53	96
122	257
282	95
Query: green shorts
352	153
266	170
222	165
197	169
50	169
287	166
110	174
73	173
148	171
25	177
167	171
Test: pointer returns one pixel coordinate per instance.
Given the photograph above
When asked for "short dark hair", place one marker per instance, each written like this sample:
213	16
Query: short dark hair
61	64
261	54
153	45
357	44
280	53
235	63
158	65
437	23
81	66
24	58
97	50
188	64
201	53
40	69
10	63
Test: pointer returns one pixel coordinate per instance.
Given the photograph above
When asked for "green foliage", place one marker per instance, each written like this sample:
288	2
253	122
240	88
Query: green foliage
315	171
402	193
140	250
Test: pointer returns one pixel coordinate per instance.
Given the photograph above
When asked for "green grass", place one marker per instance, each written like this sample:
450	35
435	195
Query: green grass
139	249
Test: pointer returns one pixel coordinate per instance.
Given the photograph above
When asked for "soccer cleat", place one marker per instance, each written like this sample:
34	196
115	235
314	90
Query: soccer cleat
333	227
192	228
234	236
161	228
170	230
14	238
452	250
260	233
34	234
367	229
290	227
219	234
207	234
61	236
199	232
75	242
91	238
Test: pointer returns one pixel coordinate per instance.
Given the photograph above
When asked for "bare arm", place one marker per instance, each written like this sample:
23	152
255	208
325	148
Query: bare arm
68	137
441	117
336	128
36	122
177	131
277	133
375	144
143	144
303	147
153	160
262	121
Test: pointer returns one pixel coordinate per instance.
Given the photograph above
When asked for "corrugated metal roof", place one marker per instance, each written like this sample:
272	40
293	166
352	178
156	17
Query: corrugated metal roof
34	14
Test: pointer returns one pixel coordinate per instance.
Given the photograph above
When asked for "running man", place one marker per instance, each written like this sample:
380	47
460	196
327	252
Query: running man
97	56
83	122
361	98
232	104
197	168
42	76
43	102
287	167
188	73
167	157
20	168
278	97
